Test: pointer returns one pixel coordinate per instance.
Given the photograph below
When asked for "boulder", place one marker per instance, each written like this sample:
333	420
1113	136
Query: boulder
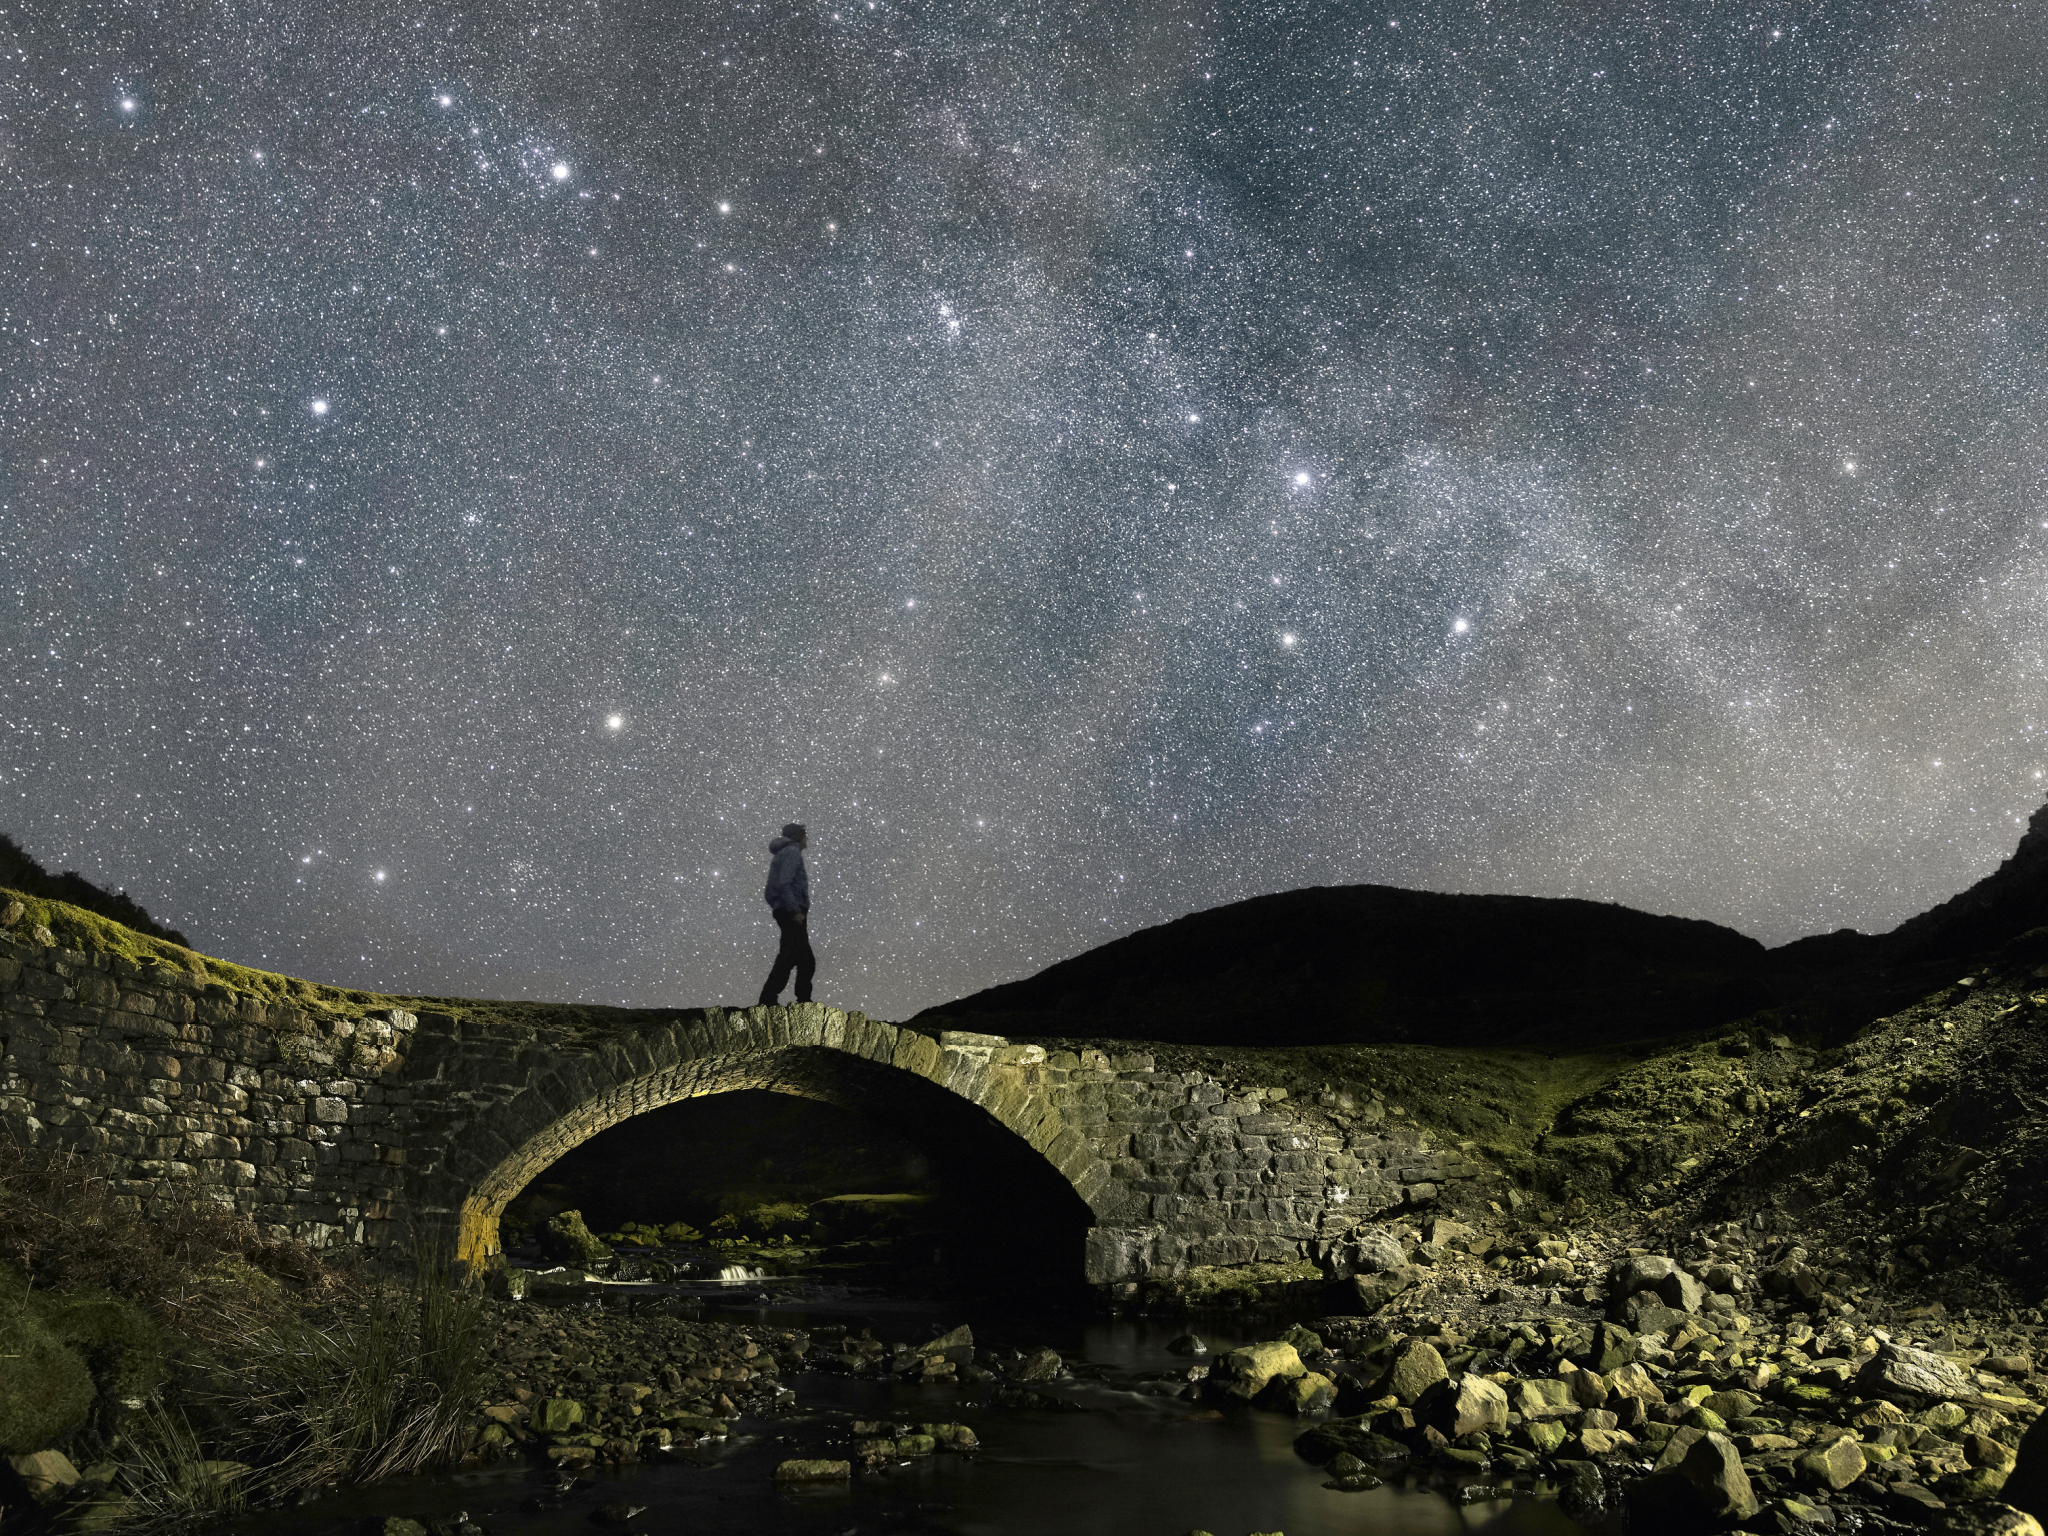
1648	1312
1039	1365
1836	1465
1588	1389
47	1475
2026	1486
1469	1406
1372	1292
556	1415
1374	1251
1594	1442
1974	1485
1349	1437
1633	1381
1612	1346
1306	1341
1897	1371
1188	1344
1644	1272
956	1346
1539	1400
1793	1280
565	1237
1244	1373
1543	1436
1681	1292
1983	1451
1415	1369
1682	1440
1350	1475
1699	1485
813	1471
1730	1404
1989	1519
1912	1502
1310	1392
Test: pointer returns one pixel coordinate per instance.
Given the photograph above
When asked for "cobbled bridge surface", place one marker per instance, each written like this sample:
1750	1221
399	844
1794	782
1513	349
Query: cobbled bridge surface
390	1129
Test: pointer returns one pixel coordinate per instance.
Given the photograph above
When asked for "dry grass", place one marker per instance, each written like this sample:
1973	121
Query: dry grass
307	1375
63	1225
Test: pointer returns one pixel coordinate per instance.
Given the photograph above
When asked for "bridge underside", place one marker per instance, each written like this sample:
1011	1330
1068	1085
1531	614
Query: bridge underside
975	1156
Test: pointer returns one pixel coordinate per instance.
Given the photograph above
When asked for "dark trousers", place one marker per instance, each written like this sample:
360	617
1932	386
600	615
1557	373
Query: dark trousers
794	953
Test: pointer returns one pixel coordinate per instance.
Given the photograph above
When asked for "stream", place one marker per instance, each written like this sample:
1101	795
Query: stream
1118	1461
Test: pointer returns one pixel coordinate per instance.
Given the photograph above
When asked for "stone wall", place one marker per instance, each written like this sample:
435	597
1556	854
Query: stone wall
297	1120
381	1128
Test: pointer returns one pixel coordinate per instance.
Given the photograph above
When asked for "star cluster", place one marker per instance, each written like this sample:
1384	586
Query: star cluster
472	473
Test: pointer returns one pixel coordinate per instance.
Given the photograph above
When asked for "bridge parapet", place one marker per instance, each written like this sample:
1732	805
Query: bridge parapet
385	1127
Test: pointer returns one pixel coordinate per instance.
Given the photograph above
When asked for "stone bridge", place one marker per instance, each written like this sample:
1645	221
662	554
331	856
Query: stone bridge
344	1125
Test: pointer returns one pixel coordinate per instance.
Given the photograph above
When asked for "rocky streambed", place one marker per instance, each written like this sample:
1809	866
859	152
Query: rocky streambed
1588	1383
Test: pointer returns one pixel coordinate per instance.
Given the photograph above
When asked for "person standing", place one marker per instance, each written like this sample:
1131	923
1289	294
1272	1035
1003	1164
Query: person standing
789	901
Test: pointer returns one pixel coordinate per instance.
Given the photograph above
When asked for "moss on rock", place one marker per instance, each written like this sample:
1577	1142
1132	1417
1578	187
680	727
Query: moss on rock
121	1347
46	1389
565	1237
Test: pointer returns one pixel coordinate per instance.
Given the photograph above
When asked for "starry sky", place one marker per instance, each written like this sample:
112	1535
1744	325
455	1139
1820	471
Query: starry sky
469	473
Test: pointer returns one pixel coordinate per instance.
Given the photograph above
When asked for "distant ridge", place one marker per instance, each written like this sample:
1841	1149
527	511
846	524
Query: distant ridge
21	873
1360	963
2010	901
1363	964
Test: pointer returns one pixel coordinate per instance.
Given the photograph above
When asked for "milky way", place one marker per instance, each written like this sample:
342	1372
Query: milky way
472	473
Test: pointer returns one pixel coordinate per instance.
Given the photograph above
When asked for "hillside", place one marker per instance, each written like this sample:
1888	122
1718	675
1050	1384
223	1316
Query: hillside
20	872
1370	964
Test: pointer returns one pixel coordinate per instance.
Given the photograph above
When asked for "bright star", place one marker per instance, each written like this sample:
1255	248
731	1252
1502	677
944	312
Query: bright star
319	407
614	722
127	104
380	875
1460	627
1301	479
447	101
725	207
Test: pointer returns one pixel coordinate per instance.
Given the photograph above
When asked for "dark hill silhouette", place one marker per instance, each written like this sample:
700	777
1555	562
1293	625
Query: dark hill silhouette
1354	963
2010	901
19	872
1371	963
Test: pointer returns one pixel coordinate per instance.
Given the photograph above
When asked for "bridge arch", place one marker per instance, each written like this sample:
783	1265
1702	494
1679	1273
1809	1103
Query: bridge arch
976	1092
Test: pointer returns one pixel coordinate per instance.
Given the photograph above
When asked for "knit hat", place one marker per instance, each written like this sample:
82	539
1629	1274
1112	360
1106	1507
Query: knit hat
794	831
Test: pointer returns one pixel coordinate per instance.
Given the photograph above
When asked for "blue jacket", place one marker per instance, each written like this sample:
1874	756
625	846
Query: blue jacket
789	888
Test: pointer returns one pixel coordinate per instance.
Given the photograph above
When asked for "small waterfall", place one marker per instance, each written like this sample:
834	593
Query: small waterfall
736	1274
